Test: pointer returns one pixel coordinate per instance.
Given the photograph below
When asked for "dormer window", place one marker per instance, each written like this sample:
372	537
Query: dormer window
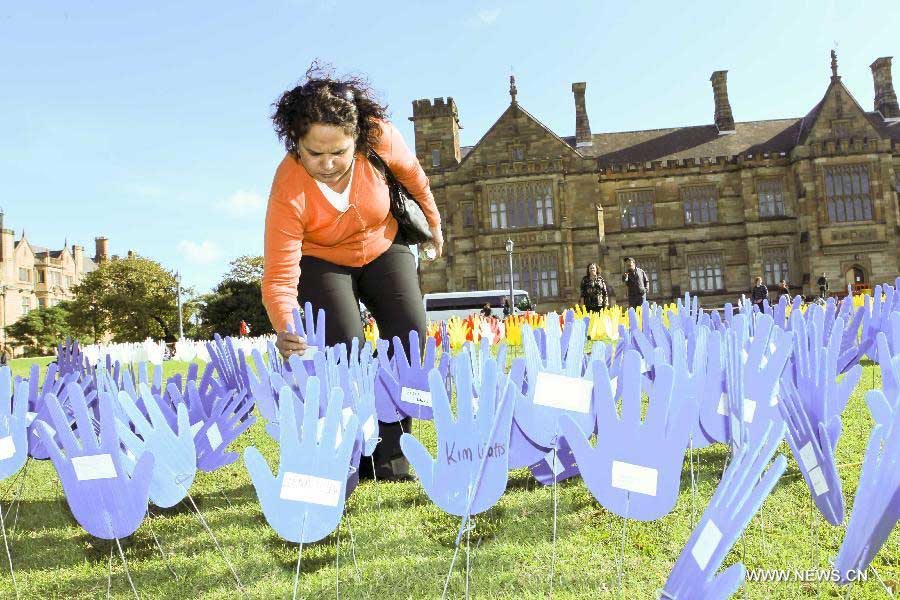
517	152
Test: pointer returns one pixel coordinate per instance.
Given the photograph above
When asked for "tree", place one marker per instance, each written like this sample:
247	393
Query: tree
40	330
132	299
230	303
247	269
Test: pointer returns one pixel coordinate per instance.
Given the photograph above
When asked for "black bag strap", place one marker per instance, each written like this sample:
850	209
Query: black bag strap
379	164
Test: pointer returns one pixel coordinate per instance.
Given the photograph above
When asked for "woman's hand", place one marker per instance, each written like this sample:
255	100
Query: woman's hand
437	240
290	343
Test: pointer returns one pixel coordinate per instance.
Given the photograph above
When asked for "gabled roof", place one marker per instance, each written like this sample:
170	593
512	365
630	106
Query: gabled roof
515	106
809	121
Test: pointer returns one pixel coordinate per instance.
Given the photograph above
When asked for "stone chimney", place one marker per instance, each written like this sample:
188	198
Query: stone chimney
723	117
102	249
582	125
3	253
131	254
885	98
78	256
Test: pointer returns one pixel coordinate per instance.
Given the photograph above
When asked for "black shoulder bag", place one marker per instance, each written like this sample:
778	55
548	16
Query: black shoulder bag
410	216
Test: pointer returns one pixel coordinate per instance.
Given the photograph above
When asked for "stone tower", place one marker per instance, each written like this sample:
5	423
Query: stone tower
437	133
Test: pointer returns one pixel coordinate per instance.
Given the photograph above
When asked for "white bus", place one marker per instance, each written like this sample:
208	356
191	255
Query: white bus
443	305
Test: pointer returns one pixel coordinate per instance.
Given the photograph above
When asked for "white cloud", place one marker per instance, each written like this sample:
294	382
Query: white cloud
244	203
487	16
203	253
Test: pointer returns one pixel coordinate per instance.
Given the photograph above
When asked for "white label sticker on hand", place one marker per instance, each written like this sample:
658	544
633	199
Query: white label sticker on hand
706	544
310	353
309	488
817	478
552	460
368	428
414	396
214	437
808	456
749	408
30	417
7	447
96	466
196	427
566	393
634	478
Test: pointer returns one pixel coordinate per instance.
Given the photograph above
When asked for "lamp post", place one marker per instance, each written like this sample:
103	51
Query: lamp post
178	292
509	251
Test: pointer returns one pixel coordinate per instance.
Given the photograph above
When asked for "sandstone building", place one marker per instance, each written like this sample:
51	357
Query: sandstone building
36	277
703	209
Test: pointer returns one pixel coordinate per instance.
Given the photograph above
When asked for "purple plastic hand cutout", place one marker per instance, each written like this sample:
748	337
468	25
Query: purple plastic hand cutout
103	498
876	507
304	502
312	330
413	375
362	385
813	449
471	469
228	419
556	387
387	385
692	380
753	366
556	465
13	424
478	355
260	385
738	497
635	469
175	456
812	403
70	358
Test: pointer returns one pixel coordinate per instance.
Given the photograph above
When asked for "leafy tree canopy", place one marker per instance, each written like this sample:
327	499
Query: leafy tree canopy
130	299
40	330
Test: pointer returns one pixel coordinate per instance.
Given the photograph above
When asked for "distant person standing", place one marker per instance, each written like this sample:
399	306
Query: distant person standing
507	309
784	290
594	294
822	282
636	282
486	311
758	293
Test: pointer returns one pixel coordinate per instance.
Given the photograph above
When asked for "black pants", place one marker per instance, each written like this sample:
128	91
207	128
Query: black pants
389	287
633	302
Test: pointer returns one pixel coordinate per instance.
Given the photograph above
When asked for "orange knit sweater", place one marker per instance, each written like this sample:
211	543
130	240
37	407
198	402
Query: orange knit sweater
300	218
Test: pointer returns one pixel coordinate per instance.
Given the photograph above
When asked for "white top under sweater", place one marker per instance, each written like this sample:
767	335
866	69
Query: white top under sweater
339	200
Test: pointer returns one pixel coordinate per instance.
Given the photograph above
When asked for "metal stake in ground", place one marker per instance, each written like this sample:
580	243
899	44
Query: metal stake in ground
215	541
8	553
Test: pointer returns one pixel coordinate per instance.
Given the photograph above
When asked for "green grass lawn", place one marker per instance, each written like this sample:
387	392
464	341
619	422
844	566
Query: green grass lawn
403	543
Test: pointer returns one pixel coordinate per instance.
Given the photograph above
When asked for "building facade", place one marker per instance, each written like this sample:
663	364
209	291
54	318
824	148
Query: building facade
34	277
703	209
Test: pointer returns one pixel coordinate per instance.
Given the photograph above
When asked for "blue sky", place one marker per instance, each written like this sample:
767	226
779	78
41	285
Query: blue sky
148	122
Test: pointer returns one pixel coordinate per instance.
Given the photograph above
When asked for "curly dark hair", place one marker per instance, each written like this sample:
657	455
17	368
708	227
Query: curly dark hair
346	102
